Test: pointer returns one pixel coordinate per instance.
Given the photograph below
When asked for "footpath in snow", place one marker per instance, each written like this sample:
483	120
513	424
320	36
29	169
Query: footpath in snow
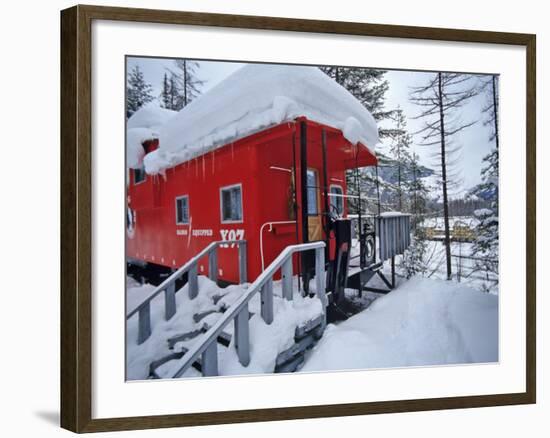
422	322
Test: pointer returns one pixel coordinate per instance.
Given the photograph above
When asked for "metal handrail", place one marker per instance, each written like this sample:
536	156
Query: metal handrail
169	285
239	310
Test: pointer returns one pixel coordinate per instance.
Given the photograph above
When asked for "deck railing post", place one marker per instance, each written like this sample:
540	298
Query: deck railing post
209	363
242	336
242	263
267	301
144	323
213	264
286	272
193	281
170	301
393	272
320	279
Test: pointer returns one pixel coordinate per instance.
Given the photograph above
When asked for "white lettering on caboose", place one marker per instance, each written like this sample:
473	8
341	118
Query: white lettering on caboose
231	235
202	233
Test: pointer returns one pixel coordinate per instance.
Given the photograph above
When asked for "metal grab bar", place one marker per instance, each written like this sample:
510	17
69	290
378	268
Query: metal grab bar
238	312
169	285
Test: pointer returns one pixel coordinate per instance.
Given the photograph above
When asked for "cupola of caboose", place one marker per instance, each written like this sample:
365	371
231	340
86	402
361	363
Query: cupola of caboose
142	133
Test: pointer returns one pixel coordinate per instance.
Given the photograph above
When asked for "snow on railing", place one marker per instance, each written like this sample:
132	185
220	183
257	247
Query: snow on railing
207	348
169	285
394	234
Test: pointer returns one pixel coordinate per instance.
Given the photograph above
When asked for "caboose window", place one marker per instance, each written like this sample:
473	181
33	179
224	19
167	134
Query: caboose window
139	175
182	210
336	198
231	203
312	201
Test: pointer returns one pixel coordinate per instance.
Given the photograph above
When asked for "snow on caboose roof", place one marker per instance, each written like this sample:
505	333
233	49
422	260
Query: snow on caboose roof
256	97
144	125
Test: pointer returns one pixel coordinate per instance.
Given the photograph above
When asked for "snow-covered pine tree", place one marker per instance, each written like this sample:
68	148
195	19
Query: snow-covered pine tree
170	97
414	259
165	93
489	86
369	87
175	97
440	98
486	245
138	92
185	82
399	150
416	190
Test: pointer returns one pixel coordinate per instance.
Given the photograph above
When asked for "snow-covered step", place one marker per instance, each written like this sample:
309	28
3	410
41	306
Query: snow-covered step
184	337
156	367
224	340
305	337
197	317
304	329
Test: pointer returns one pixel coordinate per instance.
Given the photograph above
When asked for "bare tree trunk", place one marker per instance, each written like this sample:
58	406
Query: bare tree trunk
415	208
444	177
172	103
495	110
184	83
400	201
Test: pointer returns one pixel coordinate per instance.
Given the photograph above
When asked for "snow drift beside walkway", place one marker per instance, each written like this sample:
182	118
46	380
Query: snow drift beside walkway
254	98
422	322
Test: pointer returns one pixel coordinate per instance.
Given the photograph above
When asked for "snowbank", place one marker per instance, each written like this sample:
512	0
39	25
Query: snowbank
256	97
144	125
422	322
393	214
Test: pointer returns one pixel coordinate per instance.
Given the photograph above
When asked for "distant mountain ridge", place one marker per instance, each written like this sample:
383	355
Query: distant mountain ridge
387	171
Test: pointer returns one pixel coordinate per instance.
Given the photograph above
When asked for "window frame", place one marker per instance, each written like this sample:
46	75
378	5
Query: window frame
229	187
338	186
188	209
317	197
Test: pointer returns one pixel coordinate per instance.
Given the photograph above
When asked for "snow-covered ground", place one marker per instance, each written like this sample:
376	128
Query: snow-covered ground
439	222
422	322
462	266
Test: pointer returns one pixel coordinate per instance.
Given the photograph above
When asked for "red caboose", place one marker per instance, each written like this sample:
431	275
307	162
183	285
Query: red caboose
260	157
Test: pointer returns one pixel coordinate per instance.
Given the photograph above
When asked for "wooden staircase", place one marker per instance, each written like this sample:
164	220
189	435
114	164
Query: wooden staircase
198	348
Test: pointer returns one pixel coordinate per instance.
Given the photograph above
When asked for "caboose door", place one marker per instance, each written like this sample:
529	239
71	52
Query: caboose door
315	228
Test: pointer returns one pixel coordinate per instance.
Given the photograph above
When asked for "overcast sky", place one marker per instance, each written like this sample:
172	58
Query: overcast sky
474	140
